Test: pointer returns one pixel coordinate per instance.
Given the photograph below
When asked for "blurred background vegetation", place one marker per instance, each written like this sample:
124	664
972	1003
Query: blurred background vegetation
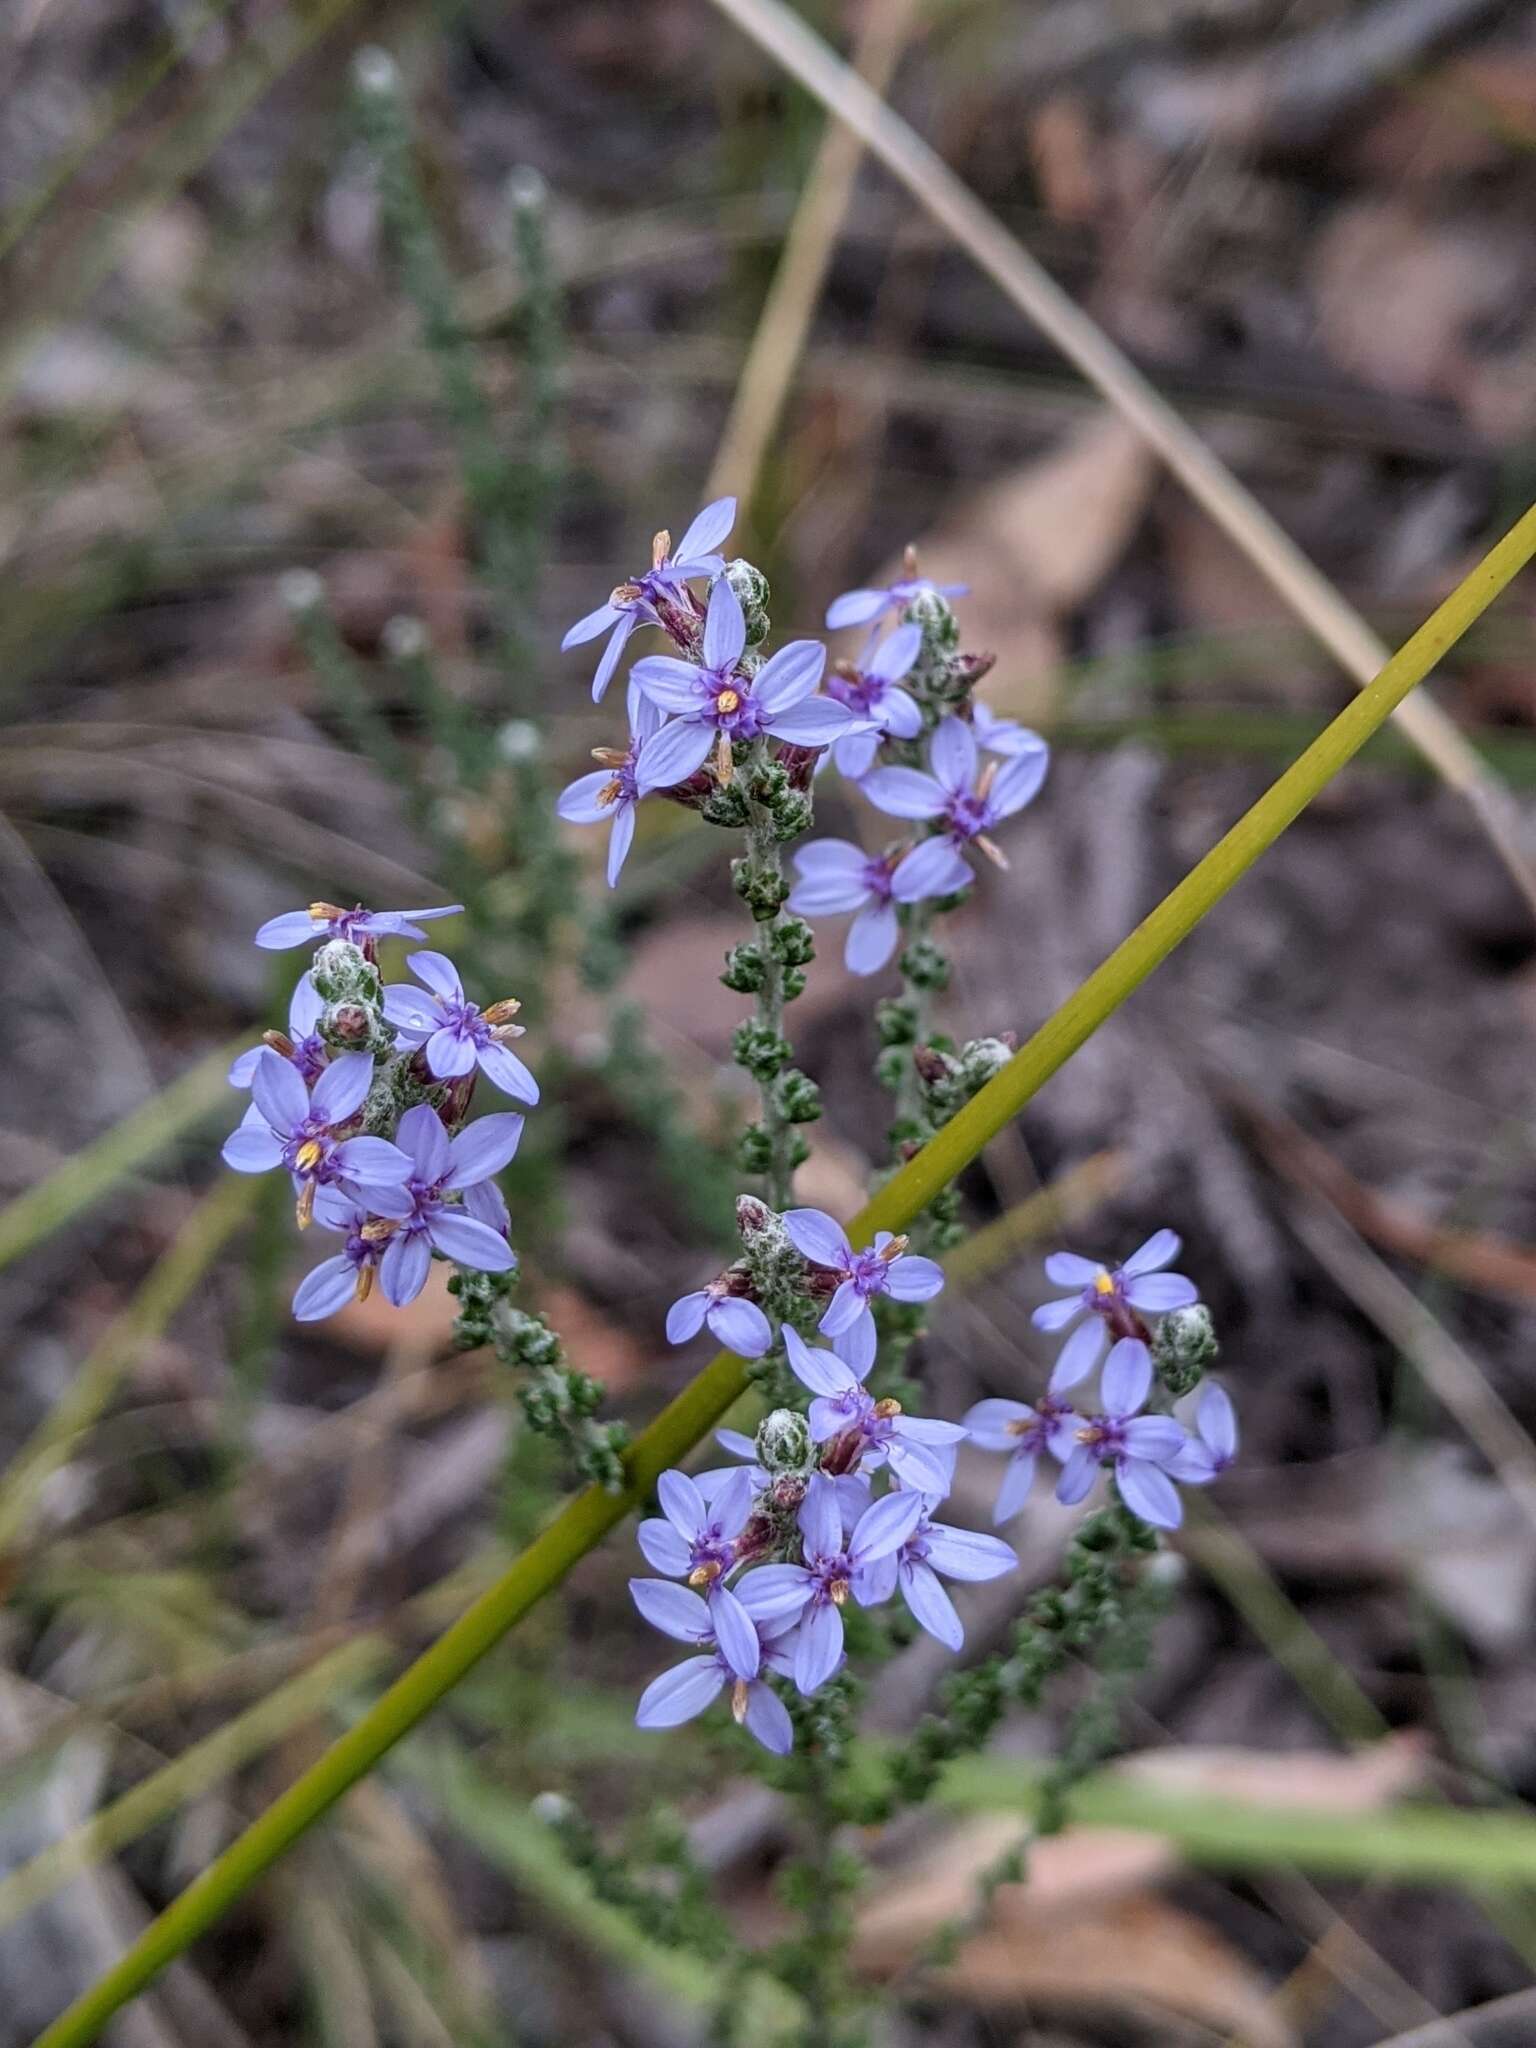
323	411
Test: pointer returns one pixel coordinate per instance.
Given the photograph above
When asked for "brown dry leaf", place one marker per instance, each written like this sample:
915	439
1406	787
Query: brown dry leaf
1356	1783
1035	546
1138	1955
1085	1932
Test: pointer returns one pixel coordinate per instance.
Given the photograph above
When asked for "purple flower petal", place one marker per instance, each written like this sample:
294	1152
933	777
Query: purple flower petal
885	1526
821	1523
1067	1269
475	1245
819	1649
855	754
680	1694
579	802
1218	1421
672	685
814	723
504	1070
1157	1438
331	1285
856	608
725	627
741	1327
789	675
734	1632
663	1548
449	1054
487	1204
252	1148
1156	1293
682	1504
914	1279
904	793
685	1318
1055	1315
967	1554
1078	1356
919	1467
1127	1377
620	840
1077	1476
404	1267
279	1092
843	1310
1018	1478
410	1009
1159	1250
391	1198
305	1007
903	720
1018	782
438	973
1149	1492
293	928
857	1344
872	938
483	1148
588	628
838	856
990	1423
374	1163
706	530
675	1610
767	1718
775	1592
815	1236
895	654
673	755
618	640
931	1606
934	867
826	893
423	1138
952	755
343	1088
242	1070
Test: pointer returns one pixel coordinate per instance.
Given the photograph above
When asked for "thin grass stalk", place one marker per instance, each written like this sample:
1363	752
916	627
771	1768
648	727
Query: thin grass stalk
1335	623
90	1176
583	1523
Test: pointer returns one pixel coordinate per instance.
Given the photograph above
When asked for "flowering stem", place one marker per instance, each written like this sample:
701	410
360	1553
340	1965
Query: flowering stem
584	1521
765	869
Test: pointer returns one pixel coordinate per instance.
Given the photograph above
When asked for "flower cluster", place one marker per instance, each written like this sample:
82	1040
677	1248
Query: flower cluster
363	1104
692	713
1146	1453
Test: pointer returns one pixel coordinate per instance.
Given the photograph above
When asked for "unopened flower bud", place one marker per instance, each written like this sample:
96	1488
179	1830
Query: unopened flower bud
351	1021
784	1446
752	1215
1184	1347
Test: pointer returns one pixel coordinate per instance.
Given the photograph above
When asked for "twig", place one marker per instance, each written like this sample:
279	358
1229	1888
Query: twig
1333	621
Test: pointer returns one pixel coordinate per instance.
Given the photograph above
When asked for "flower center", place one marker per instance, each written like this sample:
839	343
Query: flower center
727	701
1103	1284
308	1156
705	1574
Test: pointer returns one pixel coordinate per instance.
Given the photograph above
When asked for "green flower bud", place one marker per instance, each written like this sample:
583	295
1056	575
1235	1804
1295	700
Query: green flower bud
1184	1347
784	1446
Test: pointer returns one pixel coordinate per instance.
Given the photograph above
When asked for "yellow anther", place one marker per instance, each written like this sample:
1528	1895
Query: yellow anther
309	1154
725	764
727	702
323	913
886	1409
305	1207
705	1574
610	791
1103	1284
739	1701
894	1249
504	1011
364	1283
661	547
837	1592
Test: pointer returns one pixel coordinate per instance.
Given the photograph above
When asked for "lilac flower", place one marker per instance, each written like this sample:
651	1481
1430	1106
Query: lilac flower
917	1450
697	1541
426	1221
836	876
870	691
306	1049
324	921
835	1566
349	1276
635	603
687	1689
712	704
1141	1448
1002	735
964	803
287	1126
458	1035
610	794
885	1267
913	1570
711	1483
1110	1297
1024	1433
738	1324
864	607
1204	1458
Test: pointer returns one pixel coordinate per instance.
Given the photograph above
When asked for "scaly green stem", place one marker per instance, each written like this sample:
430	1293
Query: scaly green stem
581	1525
